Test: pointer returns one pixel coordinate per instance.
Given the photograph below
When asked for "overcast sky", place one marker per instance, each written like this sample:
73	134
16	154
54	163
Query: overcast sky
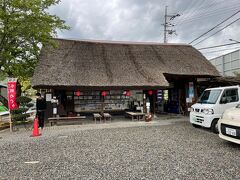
141	20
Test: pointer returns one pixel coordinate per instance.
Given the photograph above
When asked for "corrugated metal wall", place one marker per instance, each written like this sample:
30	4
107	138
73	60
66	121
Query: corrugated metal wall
227	64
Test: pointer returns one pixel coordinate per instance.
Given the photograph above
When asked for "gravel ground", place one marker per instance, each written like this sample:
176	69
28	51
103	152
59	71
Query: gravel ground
158	150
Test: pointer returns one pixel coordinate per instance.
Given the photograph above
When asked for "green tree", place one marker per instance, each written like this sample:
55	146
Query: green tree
25	25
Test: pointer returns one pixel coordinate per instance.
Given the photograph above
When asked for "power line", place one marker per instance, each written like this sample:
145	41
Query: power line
210	47
191	7
214	27
191	13
219	12
227	49
203	12
217	32
208	11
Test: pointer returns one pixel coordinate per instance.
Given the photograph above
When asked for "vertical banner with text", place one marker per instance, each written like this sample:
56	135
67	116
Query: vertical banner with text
191	90
12	93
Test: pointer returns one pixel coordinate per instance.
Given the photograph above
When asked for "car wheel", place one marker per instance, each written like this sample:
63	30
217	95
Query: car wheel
196	126
214	126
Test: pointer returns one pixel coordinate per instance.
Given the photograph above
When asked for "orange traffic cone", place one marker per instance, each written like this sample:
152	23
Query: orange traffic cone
35	128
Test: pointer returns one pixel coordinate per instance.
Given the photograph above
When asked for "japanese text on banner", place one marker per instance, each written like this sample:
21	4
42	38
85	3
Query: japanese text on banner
12	95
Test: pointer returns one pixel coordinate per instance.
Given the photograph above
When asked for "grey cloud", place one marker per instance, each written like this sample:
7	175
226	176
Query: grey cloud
140	20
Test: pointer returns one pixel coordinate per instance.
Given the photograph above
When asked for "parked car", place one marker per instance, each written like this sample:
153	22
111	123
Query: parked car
211	105
229	125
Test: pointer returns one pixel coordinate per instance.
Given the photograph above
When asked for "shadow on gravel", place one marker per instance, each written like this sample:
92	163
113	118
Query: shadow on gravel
232	145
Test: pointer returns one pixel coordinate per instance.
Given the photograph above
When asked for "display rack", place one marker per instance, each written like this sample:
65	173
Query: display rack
92	101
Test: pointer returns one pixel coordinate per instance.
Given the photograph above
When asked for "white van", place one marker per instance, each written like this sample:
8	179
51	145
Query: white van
211	105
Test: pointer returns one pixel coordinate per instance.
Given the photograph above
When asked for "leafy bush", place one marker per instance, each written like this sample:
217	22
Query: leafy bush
23	100
20	117
20	113
29	105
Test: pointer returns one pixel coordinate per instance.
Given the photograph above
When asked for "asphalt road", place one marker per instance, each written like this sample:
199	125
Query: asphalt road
150	151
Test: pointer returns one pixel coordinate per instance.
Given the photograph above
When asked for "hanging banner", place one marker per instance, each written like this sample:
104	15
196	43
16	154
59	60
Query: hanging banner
12	93
191	90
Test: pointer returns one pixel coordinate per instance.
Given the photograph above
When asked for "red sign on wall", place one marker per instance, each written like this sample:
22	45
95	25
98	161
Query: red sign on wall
12	93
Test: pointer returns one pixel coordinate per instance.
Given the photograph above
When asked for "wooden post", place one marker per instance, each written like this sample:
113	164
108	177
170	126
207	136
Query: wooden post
144	103
10	122
102	110
154	103
180	110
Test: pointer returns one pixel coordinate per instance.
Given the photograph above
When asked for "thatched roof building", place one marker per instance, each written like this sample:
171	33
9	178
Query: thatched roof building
117	65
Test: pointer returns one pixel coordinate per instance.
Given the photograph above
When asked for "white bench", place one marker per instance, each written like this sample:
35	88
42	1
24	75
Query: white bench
107	116
97	116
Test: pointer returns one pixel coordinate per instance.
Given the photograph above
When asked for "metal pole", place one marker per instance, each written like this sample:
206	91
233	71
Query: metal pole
165	25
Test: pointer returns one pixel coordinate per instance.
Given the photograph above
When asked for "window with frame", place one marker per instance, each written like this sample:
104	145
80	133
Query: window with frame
229	96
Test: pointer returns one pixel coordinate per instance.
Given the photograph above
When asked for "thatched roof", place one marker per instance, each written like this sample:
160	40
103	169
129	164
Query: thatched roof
102	65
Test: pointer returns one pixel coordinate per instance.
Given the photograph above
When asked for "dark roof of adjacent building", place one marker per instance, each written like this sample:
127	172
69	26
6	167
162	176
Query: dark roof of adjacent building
108	64
221	81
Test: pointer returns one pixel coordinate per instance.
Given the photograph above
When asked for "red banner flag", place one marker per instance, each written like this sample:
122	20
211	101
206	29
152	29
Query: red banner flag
12	93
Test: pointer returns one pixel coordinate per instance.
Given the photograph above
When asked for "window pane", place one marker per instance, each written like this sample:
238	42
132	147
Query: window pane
231	95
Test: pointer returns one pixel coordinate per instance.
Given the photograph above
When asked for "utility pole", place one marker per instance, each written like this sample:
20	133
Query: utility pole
165	25
168	24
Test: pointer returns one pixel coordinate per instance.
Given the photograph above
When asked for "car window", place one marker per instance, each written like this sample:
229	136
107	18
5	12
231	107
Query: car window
229	96
209	96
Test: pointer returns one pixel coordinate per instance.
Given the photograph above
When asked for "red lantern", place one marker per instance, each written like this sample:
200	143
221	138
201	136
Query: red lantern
150	92
78	93
128	93
104	93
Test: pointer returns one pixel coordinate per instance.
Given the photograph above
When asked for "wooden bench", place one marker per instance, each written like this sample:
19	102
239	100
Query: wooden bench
136	115
54	120
107	116
97	116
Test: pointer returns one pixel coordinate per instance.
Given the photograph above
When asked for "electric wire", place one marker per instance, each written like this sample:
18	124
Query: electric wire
189	14
211	47
217	32
192	14
222	50
216	12
207	11
214	27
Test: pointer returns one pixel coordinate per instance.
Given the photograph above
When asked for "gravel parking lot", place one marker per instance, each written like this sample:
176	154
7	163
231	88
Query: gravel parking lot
159	150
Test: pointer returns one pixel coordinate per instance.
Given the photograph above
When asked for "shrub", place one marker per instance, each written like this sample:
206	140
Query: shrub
20	113
20	117
23	100
29	105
